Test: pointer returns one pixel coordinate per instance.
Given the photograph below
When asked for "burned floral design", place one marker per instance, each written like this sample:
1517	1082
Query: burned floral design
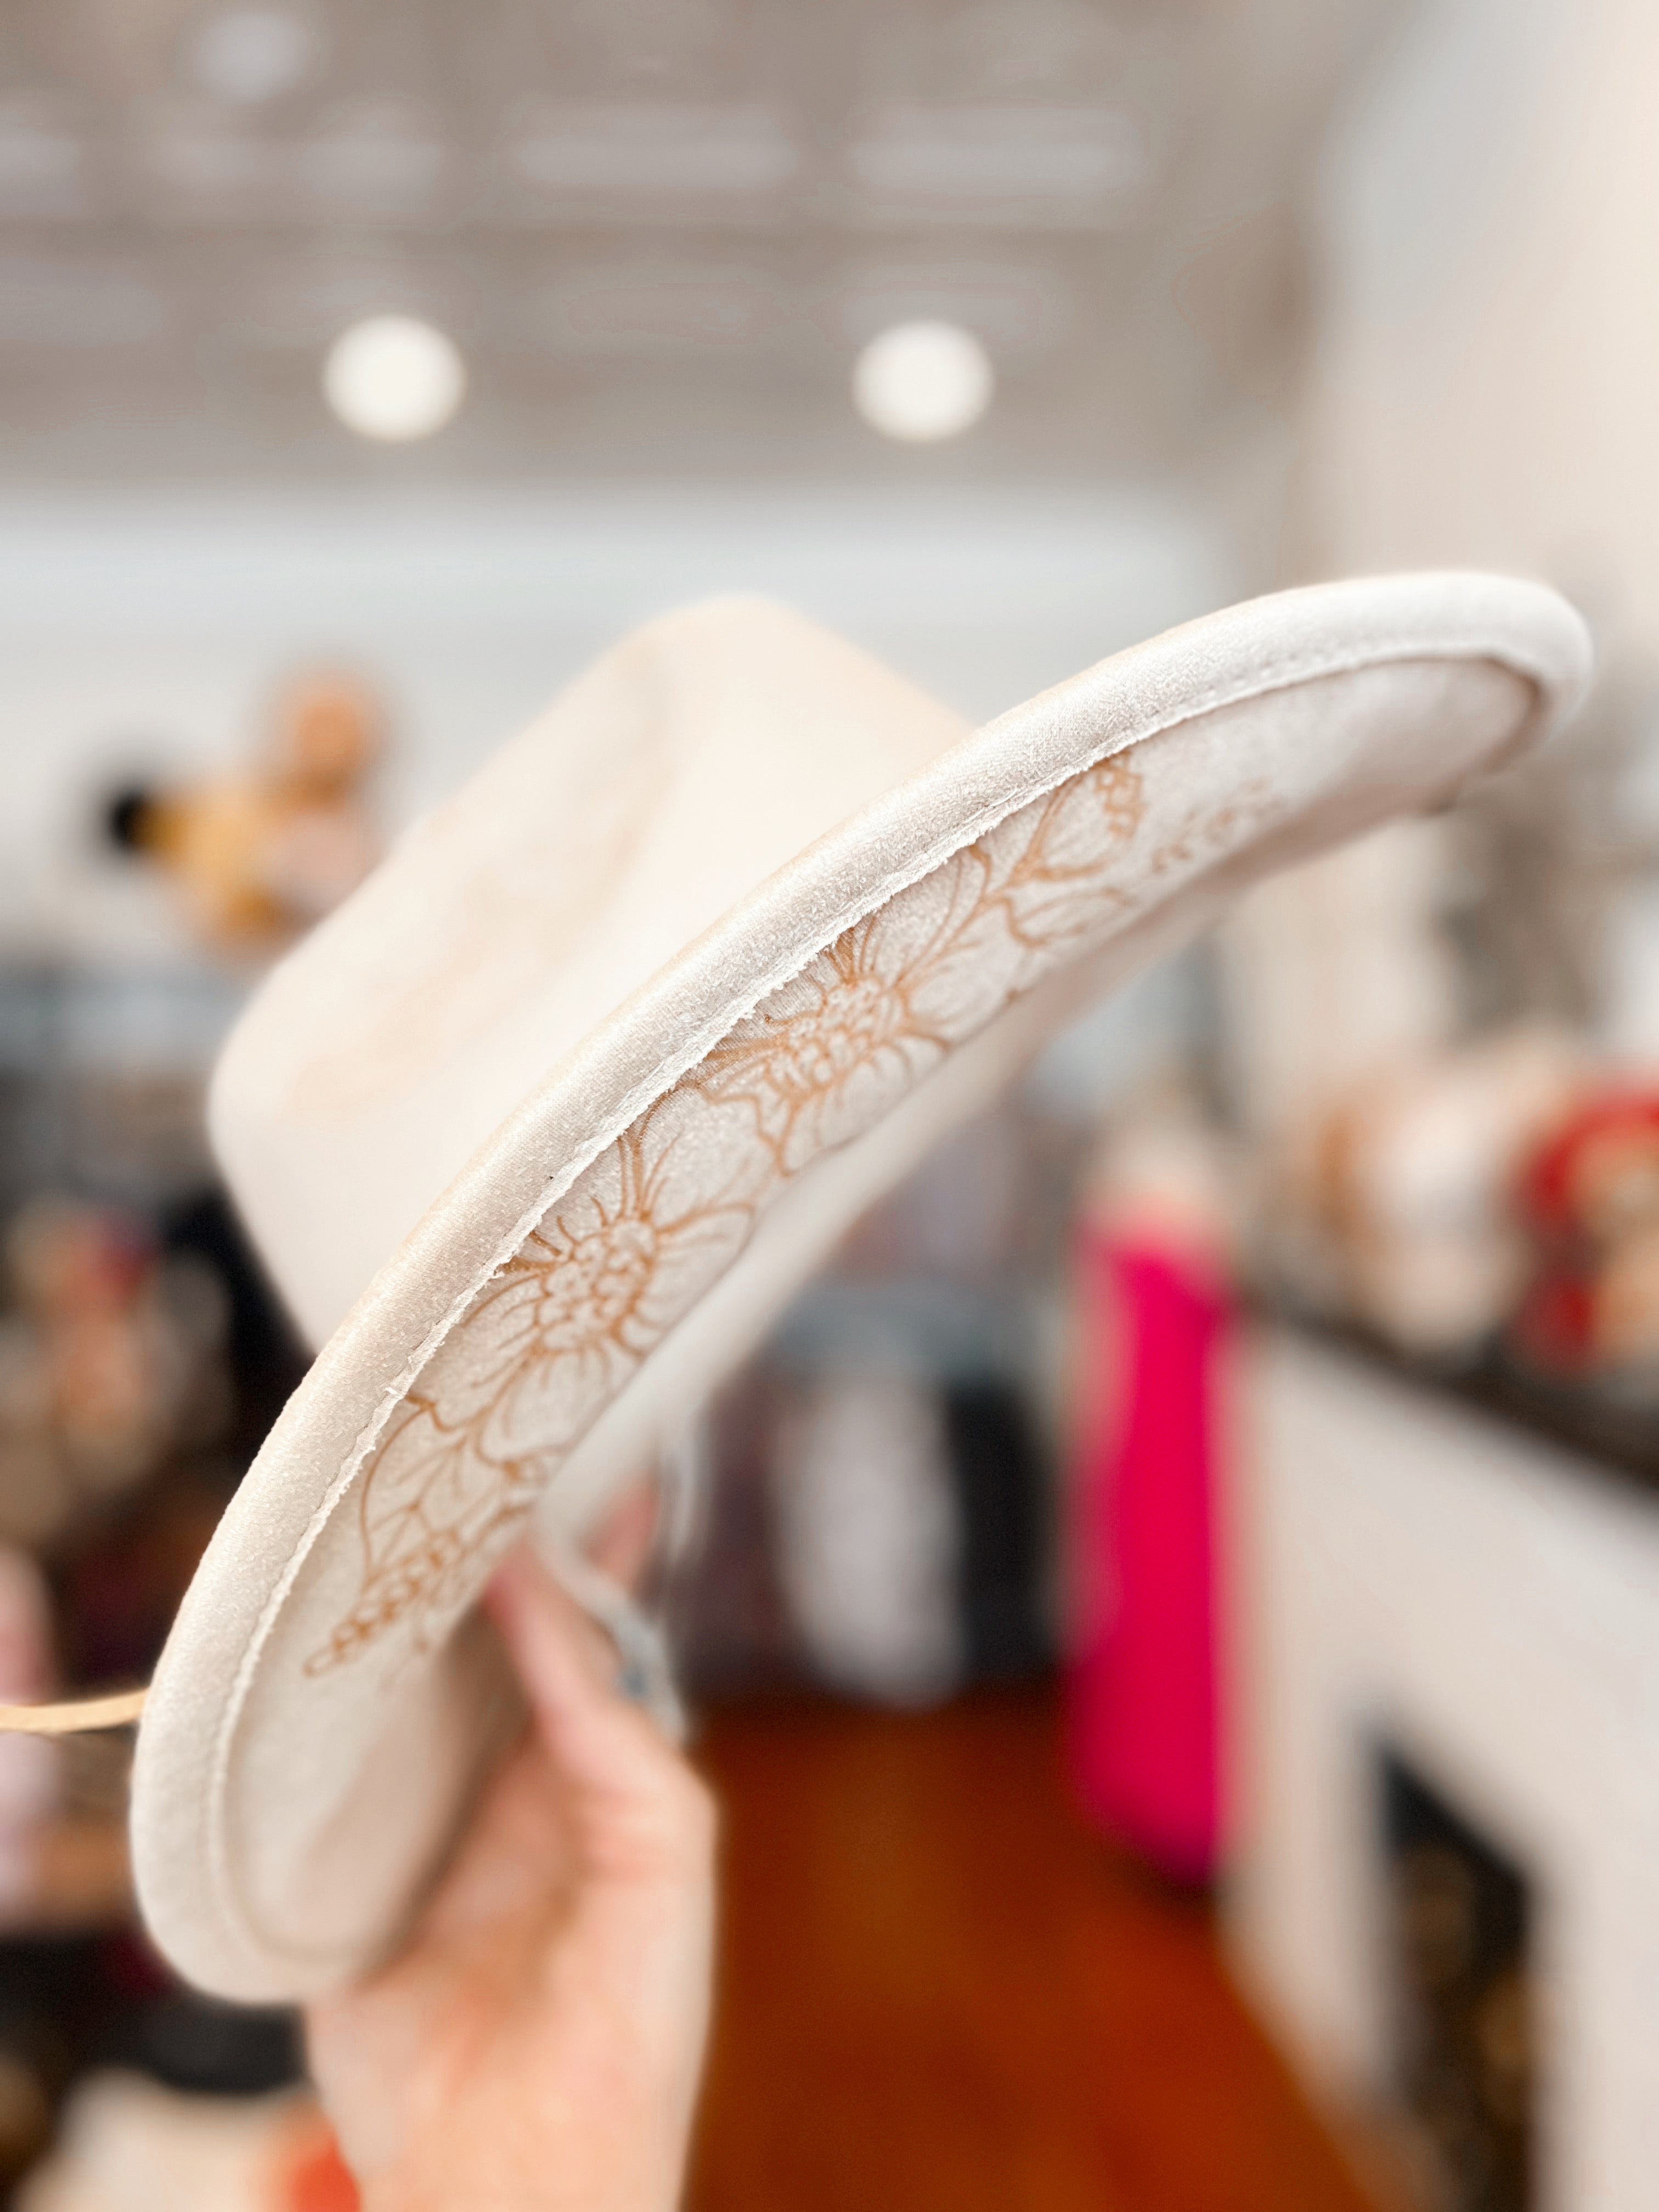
563	1323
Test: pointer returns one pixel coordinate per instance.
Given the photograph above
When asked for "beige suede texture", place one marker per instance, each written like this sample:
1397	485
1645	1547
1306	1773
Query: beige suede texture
685	1019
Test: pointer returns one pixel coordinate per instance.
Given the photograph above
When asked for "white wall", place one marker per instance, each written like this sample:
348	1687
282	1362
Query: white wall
1484	386
1486	1601
144	635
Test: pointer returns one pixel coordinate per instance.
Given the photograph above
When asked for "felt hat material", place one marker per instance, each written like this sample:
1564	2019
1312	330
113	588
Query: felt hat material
540	1129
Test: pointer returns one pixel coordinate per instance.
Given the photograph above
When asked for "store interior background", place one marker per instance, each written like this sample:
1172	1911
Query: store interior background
1269	291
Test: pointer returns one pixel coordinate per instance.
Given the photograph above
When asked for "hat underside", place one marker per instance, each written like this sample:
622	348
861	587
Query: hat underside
313	1737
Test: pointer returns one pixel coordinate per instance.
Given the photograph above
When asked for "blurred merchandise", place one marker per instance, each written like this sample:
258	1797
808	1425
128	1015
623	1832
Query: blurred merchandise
726	1618
1000	1468
1622	863
875	1514
1330	972
141	1358
29	1766
102	1071
256	857
1328	975
172	2100
1143	1677
111	1357
1414	1203
1591	1199
1630	1020
868	1540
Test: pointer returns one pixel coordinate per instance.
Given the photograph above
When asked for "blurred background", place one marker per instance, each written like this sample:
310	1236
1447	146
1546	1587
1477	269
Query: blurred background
1174	1612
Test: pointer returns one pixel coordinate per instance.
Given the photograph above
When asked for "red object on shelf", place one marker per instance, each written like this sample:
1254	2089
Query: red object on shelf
1143	1703
1603	1159
1590	1189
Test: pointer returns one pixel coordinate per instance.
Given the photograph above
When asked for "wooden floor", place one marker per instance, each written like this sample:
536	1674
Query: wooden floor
940	1990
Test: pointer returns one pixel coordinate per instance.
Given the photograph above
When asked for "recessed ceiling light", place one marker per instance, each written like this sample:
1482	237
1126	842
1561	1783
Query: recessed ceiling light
250	54
922	381
394	377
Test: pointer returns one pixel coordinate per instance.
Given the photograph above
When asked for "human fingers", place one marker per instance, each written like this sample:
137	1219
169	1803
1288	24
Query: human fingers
635	1808
623	1542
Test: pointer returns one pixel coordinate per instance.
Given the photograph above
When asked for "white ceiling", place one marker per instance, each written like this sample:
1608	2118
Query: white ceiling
658	229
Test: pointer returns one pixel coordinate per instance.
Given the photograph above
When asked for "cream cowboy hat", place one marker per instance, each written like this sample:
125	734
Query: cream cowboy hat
540	1128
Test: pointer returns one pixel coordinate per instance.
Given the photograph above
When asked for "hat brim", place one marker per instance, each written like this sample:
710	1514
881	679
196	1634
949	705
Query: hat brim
327	1697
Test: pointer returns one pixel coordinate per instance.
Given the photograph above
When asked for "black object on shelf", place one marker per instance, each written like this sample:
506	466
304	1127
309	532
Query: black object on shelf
1619	1435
